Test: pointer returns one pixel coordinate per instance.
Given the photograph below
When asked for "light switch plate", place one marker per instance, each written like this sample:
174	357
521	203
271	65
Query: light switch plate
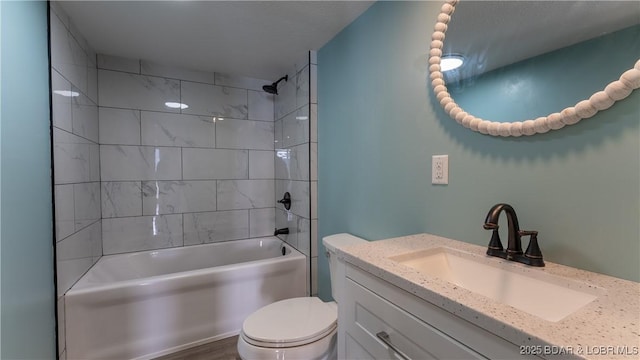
440	169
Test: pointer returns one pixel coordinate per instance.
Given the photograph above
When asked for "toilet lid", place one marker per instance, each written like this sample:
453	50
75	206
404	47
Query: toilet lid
297	320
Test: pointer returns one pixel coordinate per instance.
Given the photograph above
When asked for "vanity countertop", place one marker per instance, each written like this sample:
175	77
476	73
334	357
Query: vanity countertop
606	328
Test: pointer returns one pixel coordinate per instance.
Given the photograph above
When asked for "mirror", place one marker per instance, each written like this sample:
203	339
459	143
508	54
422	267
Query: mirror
519	52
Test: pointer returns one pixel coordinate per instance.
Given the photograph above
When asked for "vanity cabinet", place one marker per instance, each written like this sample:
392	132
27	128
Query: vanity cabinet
415	329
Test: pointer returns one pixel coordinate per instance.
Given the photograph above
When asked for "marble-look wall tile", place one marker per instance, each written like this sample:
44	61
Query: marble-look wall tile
314	199
293	164
302	61
304	236
61	325
300	196
120	235
92	77
77	35
313	89
244	134
295	128
76	254
302	87
56	9
242	82
261	164
122	163
286	219
206	164
131	91
200	228
117	63
260	105
313	118
313	57
155	69
313	158
245	194
211	100
285	102
299	162
61	101
282	160
170	197
67	57
121	199
72	158
119	126
262	222
84	116
86	199
94	162
314	276
314	238
277	134
163	129
65	220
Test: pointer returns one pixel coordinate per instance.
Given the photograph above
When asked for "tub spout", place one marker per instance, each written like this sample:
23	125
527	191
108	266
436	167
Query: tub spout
282	231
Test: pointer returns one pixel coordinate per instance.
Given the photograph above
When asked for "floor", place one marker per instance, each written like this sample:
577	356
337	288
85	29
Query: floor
224	349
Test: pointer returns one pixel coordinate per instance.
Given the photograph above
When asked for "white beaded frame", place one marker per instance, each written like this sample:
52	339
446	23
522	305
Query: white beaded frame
601	100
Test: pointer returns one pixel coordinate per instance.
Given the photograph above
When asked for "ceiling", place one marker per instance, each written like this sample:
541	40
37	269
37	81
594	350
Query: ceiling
260	39
263	39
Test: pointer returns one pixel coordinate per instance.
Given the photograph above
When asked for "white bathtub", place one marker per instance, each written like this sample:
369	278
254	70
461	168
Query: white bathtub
146	304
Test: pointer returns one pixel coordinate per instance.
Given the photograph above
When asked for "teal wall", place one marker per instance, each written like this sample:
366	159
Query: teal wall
26	264
574	72
379	126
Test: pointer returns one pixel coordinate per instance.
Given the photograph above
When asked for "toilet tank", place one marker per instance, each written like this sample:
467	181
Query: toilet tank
337	268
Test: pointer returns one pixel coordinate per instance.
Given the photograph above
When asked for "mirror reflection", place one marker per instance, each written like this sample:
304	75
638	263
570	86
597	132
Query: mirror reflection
526	59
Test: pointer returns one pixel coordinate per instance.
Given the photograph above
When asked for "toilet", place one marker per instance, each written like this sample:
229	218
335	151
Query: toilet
298	328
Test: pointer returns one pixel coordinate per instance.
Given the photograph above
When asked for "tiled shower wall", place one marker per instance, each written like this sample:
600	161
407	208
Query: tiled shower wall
173	177
76	157
295	111
133	174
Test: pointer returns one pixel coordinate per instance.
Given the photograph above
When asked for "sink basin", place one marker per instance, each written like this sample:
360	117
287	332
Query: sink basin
531	290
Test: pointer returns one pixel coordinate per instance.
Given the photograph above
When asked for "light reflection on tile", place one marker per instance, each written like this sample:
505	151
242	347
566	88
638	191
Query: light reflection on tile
170	197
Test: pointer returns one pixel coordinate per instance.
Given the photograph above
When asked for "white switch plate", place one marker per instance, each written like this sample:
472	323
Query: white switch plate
440	169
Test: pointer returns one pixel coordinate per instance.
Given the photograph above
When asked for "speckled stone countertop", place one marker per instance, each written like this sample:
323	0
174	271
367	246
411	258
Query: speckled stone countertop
606	328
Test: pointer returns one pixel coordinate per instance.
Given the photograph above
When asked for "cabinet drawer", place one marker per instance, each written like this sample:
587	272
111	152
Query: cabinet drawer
367	314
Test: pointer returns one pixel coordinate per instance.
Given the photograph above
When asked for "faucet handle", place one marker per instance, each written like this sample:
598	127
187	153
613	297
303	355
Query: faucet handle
533	252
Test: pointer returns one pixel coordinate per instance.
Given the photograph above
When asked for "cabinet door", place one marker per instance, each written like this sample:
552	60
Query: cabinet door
367	315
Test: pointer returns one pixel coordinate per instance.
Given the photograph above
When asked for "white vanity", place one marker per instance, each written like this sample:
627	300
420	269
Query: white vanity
428	297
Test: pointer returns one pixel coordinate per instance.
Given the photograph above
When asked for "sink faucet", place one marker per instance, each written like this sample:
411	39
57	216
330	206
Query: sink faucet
533	255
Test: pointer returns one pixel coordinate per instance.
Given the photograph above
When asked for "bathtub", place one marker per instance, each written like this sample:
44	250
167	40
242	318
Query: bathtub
146	304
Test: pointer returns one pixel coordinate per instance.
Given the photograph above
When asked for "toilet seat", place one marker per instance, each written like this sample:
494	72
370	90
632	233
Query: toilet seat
290	323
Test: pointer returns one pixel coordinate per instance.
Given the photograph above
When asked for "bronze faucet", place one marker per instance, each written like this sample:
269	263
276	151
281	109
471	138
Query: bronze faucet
533	255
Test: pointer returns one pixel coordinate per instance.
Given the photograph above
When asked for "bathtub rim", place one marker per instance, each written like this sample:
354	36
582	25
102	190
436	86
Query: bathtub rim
187	276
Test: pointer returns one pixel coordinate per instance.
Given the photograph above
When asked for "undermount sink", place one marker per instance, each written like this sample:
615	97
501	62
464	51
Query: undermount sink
531	290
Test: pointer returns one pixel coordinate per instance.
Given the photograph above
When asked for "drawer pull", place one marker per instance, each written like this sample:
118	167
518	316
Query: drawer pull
382	335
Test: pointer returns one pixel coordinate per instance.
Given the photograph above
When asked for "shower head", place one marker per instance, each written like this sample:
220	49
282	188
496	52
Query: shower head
273	88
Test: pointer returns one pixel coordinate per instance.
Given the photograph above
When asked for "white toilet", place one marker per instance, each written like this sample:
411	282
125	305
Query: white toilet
298	328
